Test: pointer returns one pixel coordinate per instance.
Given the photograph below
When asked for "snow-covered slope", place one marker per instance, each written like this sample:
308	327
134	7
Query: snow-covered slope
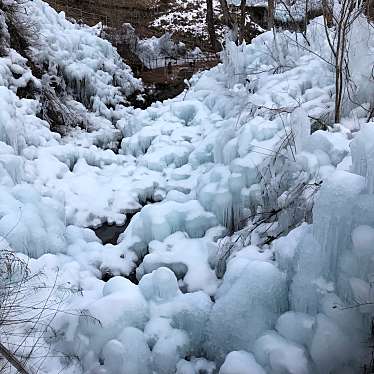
186	17
235	272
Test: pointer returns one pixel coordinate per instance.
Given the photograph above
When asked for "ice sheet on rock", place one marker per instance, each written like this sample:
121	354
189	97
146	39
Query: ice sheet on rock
360	59
139	143
161	285
327	275
12	167
331	306
59	275
188	312
161	157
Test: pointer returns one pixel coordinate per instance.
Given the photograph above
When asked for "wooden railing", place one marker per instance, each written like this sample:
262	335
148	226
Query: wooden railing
160	62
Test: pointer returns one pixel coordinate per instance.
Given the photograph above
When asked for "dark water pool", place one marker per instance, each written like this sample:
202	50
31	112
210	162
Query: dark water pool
109	234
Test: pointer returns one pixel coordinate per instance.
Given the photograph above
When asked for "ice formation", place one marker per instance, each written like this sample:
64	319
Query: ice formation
246	303
93	69
240	362
294	296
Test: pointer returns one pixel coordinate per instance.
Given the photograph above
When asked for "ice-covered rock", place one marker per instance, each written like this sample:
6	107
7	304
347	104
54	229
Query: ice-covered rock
296	327
188	258
240	362
330	347
137	355
247	303
128	309
158	221
278	355
129	354
161	285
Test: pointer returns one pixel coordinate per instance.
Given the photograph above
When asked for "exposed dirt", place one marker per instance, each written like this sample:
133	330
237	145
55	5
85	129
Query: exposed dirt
162	83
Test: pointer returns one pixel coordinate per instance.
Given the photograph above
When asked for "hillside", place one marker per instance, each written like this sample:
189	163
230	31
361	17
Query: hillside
185	20
228	230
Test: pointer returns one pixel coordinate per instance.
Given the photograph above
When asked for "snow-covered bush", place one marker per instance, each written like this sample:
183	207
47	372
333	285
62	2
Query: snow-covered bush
31	297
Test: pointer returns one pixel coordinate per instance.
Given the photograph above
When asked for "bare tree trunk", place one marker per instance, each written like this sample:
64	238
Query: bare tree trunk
339	75
306	15
226	14
271	5
338	46
340	56
371	115
243	4
370	10
12	360
210	23
327	14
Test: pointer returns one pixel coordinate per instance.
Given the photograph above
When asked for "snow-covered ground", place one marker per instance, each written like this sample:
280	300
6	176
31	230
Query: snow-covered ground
236	273
186	16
